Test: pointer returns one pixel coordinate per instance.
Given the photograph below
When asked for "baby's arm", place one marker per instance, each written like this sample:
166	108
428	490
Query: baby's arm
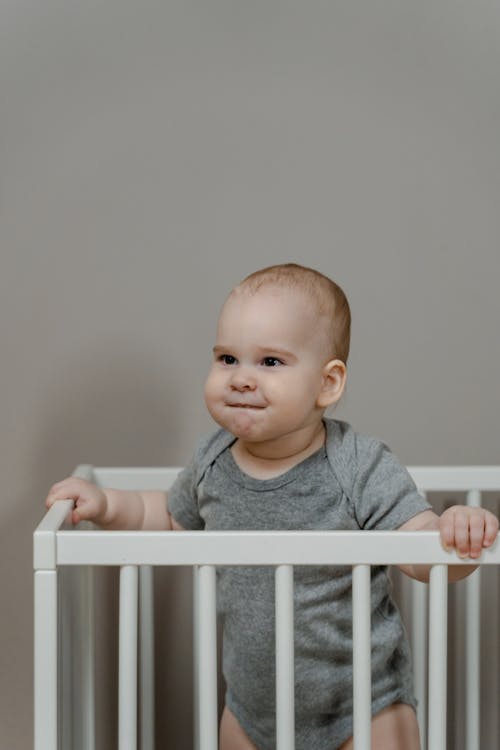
468	530
114	509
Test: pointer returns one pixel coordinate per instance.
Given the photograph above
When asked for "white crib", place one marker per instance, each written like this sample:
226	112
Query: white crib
57	650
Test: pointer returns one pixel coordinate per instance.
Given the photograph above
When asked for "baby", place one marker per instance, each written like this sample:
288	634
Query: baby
277	463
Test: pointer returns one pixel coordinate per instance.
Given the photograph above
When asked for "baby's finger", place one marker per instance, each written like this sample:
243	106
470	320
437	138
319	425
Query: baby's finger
59	494
490	529
70	488
83	510
462	540
476	535
447	530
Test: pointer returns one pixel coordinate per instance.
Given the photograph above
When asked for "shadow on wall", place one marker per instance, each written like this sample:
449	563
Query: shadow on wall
113	406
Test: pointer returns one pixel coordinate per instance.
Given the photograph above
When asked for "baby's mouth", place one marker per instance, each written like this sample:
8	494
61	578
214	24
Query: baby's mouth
240	405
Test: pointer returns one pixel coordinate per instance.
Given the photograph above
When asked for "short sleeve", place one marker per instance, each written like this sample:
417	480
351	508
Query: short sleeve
183	497
384	494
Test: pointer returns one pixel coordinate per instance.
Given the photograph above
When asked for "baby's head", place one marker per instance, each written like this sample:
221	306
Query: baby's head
280	354
324	297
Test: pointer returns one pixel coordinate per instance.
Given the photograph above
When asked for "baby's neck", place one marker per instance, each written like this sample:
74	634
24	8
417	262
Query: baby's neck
272	458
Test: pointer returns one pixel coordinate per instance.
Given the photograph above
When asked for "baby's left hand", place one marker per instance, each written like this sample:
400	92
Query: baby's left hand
468	530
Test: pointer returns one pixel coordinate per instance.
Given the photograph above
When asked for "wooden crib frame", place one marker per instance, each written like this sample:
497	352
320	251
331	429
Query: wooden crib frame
56	544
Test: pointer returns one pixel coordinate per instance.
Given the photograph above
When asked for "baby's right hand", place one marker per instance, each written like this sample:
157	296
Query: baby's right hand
91	502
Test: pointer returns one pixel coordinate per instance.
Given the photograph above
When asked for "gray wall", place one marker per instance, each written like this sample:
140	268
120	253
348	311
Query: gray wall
151	154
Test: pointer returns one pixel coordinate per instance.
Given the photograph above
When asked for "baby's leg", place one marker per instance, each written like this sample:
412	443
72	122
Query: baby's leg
394	728
232	736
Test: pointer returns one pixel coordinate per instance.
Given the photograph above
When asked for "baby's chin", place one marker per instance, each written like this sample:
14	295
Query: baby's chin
242	423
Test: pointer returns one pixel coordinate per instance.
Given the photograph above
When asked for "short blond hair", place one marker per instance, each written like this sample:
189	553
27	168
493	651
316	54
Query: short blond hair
326	296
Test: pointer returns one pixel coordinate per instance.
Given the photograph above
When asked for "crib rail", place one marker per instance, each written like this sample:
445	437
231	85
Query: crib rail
55	545
247	548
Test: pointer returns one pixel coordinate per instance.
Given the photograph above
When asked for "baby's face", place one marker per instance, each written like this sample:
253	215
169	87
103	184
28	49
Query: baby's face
267	368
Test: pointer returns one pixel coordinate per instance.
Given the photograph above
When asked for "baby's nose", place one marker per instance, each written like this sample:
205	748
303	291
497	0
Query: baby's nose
243	380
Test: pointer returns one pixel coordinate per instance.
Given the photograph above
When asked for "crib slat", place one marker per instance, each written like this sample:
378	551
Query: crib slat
285	693
438	621
127	679
207	658
146	661
46	660
419	618
196	662
361	642
86	647
472	648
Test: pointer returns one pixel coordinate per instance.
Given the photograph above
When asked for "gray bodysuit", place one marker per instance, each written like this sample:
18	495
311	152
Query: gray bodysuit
352	482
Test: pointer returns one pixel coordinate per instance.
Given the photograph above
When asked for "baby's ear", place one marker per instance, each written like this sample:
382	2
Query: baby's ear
333	381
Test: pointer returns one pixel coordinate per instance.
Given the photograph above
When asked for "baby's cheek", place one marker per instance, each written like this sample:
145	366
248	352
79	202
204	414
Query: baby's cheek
214	401
210	390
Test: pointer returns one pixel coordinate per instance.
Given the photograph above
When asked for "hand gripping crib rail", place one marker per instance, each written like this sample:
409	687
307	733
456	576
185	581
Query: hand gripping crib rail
56	545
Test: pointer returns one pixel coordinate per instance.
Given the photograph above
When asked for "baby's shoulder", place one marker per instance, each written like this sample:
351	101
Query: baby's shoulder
209	448
351	453
344	443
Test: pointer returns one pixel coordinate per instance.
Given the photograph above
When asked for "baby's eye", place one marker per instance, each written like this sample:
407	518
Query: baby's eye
271	362
227	359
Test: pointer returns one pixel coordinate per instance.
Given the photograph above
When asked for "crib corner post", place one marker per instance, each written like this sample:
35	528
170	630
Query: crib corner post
45	661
